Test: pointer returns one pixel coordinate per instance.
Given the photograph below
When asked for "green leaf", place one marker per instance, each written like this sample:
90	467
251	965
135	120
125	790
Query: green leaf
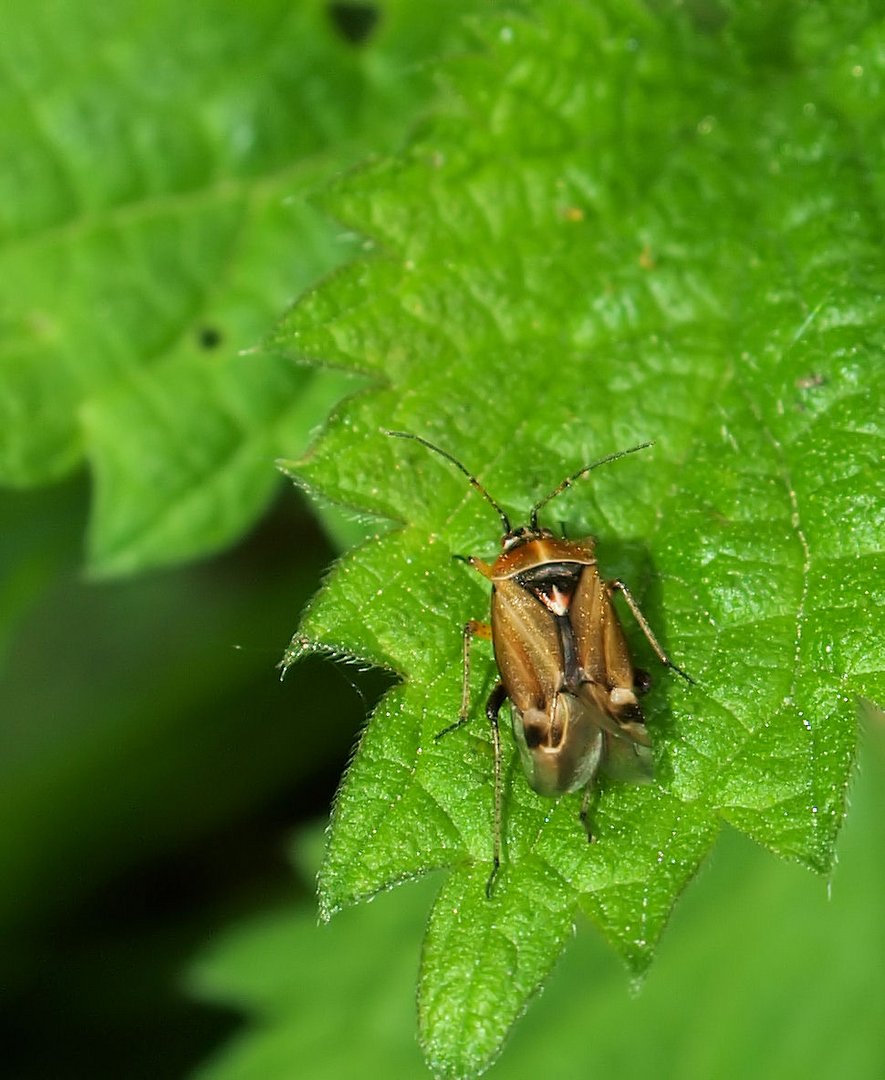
623	225
735	992
155	220
322	1011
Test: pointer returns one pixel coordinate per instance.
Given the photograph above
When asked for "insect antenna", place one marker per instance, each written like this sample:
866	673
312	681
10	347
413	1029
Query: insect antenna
505	520
569	480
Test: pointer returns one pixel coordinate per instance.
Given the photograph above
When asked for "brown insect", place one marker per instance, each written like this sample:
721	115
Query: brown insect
562	657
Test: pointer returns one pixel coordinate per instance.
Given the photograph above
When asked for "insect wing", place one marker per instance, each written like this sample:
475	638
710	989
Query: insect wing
527	647
599	639
561	735
604	657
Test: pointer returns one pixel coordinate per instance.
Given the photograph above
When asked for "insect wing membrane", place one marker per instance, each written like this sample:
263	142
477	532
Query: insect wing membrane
573	761
627	760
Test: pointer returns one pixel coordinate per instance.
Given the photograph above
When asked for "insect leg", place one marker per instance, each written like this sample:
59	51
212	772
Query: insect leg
584	814
493	706
471	630
647	630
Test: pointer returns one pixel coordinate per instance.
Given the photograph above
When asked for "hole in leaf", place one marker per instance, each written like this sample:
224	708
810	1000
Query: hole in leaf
209	337
354	22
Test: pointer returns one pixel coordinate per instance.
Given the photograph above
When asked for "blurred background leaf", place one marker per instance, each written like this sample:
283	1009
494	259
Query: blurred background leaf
155	221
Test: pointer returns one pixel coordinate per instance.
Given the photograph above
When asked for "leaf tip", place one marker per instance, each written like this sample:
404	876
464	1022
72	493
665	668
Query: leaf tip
287	467
326	908
296	650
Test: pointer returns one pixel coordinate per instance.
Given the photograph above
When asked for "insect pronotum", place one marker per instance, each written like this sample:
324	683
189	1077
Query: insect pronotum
562	657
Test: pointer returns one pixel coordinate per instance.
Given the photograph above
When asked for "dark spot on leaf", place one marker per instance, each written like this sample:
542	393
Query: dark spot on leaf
354	22
209	337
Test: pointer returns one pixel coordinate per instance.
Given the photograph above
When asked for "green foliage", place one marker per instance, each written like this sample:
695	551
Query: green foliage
759	968
158	166
626	223
155	221
623	221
